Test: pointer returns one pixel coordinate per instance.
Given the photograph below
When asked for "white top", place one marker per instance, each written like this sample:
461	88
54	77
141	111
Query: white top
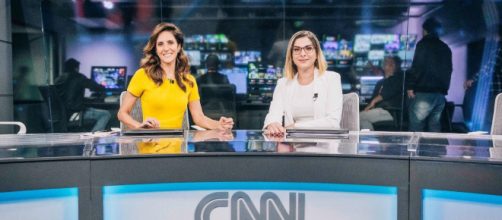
327	108
303	106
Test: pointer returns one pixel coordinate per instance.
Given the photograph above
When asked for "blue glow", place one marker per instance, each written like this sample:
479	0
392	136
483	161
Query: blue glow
439	204
462	196
487	68
38	194
142	188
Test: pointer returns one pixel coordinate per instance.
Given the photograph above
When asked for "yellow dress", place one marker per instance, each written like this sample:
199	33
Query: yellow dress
167	102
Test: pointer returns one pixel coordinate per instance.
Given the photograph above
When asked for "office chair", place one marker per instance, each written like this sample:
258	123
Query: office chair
350	112
22	127
137	114
218	100
391	125
56	116
497	116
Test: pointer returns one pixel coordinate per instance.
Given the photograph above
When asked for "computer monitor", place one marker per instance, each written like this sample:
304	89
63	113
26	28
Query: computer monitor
244	57
238	77
368	84
113	78
330	48
193	57
362	43
376	55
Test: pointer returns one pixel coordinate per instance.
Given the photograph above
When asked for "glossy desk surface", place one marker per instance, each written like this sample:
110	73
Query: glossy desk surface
399	145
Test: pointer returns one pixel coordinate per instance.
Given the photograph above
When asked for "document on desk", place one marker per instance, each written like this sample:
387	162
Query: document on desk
149	131
317	133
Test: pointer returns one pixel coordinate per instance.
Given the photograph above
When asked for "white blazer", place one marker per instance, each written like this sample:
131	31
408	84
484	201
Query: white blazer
327	106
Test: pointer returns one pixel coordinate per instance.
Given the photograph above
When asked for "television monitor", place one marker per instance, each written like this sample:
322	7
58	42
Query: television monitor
406	54
330	47
406	57
113	78
382	38
346	87
252	71
237	76
376	55
362	43
407	41
222	56
193	57
344	50
271	72
244	57
368	84
392	45
360	61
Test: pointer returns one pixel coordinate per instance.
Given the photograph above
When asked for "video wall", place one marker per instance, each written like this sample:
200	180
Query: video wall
255	78
244	68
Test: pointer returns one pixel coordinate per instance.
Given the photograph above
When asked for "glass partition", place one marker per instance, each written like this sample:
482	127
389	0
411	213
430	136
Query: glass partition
250	39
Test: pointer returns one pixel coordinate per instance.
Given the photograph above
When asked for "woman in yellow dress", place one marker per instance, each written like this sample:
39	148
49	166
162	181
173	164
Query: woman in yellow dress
165	86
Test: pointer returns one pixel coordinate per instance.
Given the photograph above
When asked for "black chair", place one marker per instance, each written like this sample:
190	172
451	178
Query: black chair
391	125
218	100
447	116
56	117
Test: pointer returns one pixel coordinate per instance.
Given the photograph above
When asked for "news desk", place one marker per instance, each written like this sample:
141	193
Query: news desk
246	175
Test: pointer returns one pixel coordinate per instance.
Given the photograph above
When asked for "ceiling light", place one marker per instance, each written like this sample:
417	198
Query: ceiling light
108	5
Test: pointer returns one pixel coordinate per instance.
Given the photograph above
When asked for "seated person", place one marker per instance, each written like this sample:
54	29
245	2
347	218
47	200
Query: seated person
212	76
71	87
308	95
165	87
386	95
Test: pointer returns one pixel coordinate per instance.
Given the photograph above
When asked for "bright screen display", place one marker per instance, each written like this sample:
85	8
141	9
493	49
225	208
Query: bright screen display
111	77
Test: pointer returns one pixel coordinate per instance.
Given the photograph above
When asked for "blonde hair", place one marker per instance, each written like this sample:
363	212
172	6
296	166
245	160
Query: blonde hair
290	68
151	61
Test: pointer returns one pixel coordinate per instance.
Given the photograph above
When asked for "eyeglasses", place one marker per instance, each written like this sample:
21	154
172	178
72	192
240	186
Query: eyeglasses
308	50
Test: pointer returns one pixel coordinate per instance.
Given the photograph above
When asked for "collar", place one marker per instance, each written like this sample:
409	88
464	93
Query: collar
316	74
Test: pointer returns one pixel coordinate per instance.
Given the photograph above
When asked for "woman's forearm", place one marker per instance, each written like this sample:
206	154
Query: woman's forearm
125	118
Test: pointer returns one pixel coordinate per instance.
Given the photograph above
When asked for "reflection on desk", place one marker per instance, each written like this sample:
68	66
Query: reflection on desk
459	147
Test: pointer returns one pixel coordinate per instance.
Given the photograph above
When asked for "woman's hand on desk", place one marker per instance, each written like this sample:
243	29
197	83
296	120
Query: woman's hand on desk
150	123
225	123
275	129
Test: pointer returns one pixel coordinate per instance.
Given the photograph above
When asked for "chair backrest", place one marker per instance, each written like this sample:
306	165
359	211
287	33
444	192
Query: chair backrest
22	127
218	100
350	112
137	114
54	110
497	116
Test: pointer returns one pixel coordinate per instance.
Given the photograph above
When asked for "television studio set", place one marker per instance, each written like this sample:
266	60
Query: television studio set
251	109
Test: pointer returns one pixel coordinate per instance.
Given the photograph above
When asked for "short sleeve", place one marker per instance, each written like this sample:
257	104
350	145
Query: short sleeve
137	84
193	91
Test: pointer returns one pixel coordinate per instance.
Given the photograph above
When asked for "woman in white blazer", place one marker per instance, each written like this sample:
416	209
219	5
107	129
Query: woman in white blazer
308	95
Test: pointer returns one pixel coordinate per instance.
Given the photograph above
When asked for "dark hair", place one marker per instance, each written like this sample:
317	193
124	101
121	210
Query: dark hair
212	62
397	61
70	65
432	26
151	61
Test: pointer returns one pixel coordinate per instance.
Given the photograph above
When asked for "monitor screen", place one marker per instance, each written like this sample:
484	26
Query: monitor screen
376	55
222	56
113	78
408	41
238	77
193	57
330	48
368	84
362	43
244	57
